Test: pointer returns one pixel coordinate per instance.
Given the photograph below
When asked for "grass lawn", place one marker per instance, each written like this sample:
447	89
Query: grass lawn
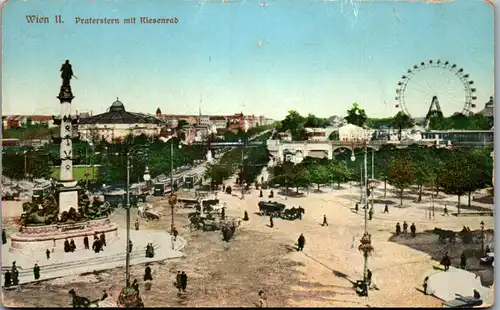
78	173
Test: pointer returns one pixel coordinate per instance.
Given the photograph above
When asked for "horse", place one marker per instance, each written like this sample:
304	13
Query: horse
81	302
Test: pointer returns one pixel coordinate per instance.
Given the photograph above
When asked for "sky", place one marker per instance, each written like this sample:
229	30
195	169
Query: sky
313	56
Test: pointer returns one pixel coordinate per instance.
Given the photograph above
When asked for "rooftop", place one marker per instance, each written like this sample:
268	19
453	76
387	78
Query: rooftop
117	114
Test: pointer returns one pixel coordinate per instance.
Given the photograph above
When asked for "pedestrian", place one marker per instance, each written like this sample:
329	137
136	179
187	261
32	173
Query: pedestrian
67	246
137	224
175	233
398	229
370	214
135	285
405	227
425	285
271	194
261	194
271	223
130	246
103	239
386	209
245	216
301	242
72	245
223	213
446	262
325	223
97	246
413	230
47	253
184	280
147	274
36	272
178	281
15	274
86	242
262	300
487	250
463	261
4	236
7	279
369	277
356	207
446	210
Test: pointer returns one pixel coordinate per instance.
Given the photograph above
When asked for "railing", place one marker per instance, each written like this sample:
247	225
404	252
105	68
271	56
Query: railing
350	142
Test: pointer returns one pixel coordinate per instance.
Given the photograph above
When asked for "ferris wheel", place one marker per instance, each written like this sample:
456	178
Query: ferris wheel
429	81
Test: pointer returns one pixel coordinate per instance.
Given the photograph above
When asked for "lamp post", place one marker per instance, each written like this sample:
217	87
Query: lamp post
482	238
26	162
365	246
139	152
172	197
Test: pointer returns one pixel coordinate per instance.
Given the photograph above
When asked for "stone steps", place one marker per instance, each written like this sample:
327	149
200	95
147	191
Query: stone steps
104	262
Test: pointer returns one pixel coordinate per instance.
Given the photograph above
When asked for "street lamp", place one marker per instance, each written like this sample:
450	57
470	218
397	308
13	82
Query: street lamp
139	152
172	199
482	238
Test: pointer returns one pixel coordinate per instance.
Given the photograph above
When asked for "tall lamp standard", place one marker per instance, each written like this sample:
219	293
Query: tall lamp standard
173	198
482	238
365	245
137	152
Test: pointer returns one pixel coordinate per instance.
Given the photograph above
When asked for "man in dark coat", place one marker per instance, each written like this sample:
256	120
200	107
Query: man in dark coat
325	223
135	285
72	245
301	242
130	246
47	253
356	207
223	213
446	210
271	194
67	246
36	272
369	277
463	260
405	227
4	236
103	239
7	279
147	274
271	223
15	274
96	246
370	214
398	229
386	209
446	262
184	279
413	230
178	280
86	242
261	194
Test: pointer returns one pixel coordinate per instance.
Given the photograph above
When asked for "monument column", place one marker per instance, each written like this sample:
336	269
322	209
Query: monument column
68	191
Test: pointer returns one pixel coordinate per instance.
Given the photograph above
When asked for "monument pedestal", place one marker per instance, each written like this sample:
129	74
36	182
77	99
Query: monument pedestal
43	237
68	196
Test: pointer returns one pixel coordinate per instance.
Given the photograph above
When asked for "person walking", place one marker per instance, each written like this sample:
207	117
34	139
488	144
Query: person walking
446	262
102	237
178	281
405	227
7	277
398	229
446	211
463	261
36	272
356	207
301	242
86	242
47	253
370	214
386	209
130	246
413	230
136	224
325	223
4	236
184	279
262	300
271	223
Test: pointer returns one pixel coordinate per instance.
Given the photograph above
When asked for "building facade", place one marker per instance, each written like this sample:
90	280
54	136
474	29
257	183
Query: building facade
117	123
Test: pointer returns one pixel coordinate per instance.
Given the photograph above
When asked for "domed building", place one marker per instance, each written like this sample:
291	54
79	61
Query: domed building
117	123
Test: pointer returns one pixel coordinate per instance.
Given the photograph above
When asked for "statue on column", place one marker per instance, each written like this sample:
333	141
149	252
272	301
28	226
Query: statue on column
66	73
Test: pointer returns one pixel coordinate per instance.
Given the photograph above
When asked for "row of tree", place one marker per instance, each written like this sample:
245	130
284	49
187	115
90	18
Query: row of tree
456	172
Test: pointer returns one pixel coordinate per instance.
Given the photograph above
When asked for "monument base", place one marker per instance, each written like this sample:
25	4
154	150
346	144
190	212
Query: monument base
43	237
68	196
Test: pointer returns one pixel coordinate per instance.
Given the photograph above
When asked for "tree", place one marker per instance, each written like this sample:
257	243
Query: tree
339	173
453	178
38	165
218	174
402	121
300	177
356	116
319	175
312	121
400	174
334	136
423	175
294	123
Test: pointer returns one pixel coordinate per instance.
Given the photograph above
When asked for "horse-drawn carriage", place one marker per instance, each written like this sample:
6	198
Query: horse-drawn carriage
145	211
120	200
444	234
271	208
277	209
208	222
